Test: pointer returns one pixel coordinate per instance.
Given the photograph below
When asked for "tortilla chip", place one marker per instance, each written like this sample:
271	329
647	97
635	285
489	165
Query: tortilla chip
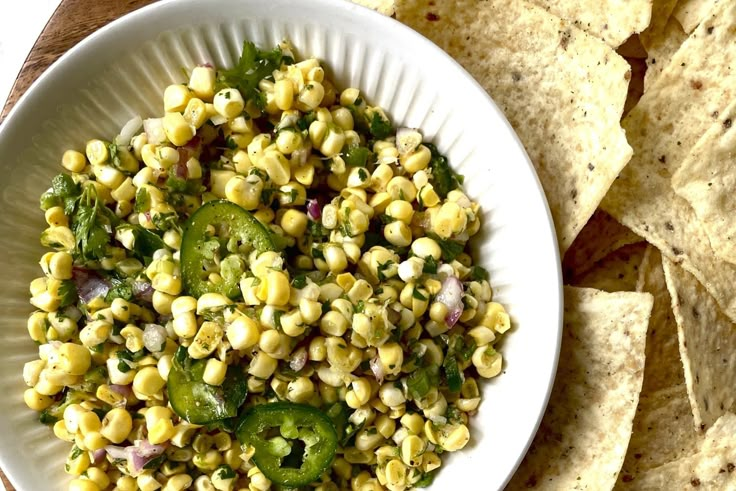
562	90
707	345
600	236
605	19
632	48
617	272
689	13
663	368
663	428
723	430
707	180
385	7
661	14
711	468
661	47
663	432
666	123
583	436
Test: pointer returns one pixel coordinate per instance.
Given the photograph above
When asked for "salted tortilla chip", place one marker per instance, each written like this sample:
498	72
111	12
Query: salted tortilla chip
661	14
617	272
689	13
562	90
598	238
583	436
707	180
661	47
667	122
386	7
663	428
723	430
606	19
663	432
711	468
663	368
707	345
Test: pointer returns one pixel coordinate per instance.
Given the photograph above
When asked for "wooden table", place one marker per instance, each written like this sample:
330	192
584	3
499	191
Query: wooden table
72	21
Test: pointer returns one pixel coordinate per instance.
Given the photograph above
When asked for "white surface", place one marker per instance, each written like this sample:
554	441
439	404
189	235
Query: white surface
86	95
19	29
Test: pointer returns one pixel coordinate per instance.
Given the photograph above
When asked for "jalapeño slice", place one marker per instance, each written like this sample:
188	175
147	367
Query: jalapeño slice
197	247
195	400
294	443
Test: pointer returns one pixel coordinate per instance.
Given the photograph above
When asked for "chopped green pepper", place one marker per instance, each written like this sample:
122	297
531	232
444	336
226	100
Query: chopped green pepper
230	219
197	401
294	443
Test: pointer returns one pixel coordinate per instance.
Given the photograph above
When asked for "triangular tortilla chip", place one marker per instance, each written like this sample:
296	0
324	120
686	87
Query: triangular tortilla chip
562	90
668	120
707	346
583	436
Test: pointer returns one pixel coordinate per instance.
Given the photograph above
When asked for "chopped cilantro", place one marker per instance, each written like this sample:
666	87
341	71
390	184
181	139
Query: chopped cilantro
67	293
478	273
421	381
380	128
253	66
430	265
142	201
299	281
450	248
444	179
418	295
357	156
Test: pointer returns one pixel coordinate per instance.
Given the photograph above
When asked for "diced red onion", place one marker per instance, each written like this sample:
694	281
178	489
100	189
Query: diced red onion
116	453
377	369
128	131
98	456
123	390
299	359
154	337
154	128
140	454
143	291
453	316
451	295
206	64
313	210
89	284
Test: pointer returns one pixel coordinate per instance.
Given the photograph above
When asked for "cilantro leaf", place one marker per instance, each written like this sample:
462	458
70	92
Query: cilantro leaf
380	128
67	293
478	273
253	66
444	179
450	248
64	186
142	201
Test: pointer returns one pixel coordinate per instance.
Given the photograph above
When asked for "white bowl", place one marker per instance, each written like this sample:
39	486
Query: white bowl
121	71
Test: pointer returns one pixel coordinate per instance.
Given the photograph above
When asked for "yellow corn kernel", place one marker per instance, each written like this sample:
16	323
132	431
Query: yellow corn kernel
73	161
300	390
214	372
262	365
310	97
182	305
229	103
36	401
456	439
177	129
73	359
416	160
202	82
82	484
243	333
284	94
116	425
55	217
148	382
278	288
97	152
176	97
294	222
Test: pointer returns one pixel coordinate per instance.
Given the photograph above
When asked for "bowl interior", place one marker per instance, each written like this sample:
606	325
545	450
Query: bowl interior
121	71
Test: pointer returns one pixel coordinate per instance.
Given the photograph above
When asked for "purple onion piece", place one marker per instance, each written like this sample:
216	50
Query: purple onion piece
143	291
98	456
313	210
89	284
453	316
